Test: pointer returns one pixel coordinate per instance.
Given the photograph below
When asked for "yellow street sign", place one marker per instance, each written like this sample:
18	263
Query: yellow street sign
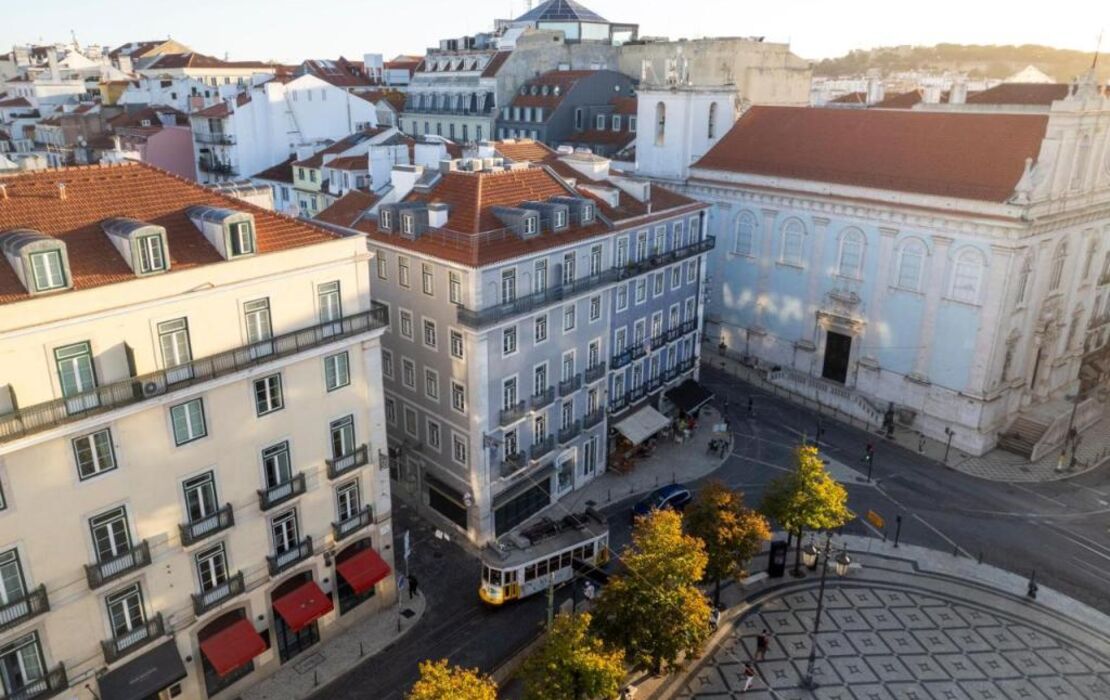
875	519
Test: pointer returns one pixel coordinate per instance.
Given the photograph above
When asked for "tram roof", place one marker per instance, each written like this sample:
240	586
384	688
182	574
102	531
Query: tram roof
516	549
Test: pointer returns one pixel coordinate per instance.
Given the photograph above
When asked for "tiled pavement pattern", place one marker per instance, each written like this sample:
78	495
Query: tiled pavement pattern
881	642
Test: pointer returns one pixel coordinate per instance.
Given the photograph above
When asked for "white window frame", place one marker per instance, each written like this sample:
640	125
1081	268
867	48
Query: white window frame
273	394
541	321
387	363
570	313
428	279
402	316
102	453
337	361
459	448
457	341
431	384
195	432
458	397
429	325
435	434
510	341
408	373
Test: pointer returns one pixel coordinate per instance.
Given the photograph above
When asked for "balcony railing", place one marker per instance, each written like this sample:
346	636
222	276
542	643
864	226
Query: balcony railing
595	373
276	495
54	682
341	465
216	166
286	560
570	432
118	647
592	419
569	386
194	532
104	572
30	605
512	413
387	462
541	448
214	138
618	404
104	398
356	522
543	399
689	326
672	334
512	464
525	304
207	600
654	262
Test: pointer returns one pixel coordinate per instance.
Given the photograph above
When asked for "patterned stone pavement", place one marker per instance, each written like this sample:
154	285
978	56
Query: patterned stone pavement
881	641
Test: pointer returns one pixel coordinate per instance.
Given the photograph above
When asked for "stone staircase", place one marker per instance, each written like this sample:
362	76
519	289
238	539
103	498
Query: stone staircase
830	394
1023	435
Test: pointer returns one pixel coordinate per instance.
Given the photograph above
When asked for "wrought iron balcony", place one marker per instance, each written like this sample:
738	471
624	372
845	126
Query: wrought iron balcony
654	262
636	393
207	600
512	413
618	404
687	364
525	304
349	462
622	358
109	570
54	682
689	326
118	647
569	386
194	532
596	372
570	432
214	137
672	334
34	603
543	399
387	462
655	342
286	560
592	419
43	416
216	166
512	464
670	373
276	495
542	447
356	522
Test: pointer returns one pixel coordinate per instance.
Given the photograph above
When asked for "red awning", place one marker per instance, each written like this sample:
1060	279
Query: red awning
232	647
363	570
300	607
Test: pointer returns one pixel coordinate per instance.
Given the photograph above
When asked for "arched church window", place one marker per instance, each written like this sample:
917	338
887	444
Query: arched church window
713	120
850	262
911	265
745	234
793	242
967	276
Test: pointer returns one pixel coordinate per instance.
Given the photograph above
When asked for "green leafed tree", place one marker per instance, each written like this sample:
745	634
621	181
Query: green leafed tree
654	610
573	664
732	532
438	681
807	498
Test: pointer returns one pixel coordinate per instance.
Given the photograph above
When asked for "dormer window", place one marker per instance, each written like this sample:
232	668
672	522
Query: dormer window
152	256
47	270
587	213
407	225
240	239
145	122
560	218
530	225
385	220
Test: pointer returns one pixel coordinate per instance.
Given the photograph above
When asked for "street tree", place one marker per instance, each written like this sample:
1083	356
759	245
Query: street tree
732	532
438	681
654	610
573	664
806	498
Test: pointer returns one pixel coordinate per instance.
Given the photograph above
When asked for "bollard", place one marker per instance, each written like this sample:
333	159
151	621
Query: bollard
361	653
980	556
315	679
1032	590
897	530
955	550
609	497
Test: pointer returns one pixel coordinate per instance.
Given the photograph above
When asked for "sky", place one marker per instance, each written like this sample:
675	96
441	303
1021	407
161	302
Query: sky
292	30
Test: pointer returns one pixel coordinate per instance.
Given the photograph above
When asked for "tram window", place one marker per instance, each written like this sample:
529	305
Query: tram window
564	560
510	577
554	563
541	568
495	577
588	550
529	572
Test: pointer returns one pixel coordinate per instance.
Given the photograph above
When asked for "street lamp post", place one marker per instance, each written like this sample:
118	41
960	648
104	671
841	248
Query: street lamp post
1072	438
842	562
950	433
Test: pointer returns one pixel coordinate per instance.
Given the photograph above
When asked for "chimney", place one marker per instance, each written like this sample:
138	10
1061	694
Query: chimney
958	95
931	95
52	59
115	143
62	191
437	215
875	90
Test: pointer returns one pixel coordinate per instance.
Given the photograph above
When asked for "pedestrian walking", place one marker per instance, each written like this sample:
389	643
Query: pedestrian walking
749	676
921	444
762	643
412	587
751	406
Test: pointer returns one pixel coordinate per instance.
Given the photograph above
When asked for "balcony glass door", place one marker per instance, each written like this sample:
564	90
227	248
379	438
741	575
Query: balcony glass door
173	338
21	666
259	329
76	376
110	535
200	497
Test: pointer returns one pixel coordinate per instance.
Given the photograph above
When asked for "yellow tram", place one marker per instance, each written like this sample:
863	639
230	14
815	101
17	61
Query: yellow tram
519	566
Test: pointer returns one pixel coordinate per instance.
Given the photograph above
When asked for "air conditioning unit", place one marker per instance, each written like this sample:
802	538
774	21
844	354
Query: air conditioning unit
151	389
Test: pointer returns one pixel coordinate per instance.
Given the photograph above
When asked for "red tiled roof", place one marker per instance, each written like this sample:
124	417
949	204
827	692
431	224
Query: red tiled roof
495	64
907	100
954	154
316	160
1020	94
361	162
404	62
199	60
282	172
563	79
624	105
523	150
628	207
340	72
151	114
134	190
395	98
15	102
606	137
346	210
851	98
216	111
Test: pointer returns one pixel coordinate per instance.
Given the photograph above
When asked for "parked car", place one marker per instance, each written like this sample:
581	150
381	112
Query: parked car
673	496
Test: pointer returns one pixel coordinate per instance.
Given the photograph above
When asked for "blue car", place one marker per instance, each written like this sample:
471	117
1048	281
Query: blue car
673	496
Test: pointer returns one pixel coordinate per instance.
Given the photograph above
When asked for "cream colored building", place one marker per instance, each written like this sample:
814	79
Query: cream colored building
190	419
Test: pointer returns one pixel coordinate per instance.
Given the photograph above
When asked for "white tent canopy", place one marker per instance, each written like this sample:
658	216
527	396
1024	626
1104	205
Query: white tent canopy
642	424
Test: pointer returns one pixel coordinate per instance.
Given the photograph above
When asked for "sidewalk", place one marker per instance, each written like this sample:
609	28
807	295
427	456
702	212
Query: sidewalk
905	622
996	465
332	658
670	463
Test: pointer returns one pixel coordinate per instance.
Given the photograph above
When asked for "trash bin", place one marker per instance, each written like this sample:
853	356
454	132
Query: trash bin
776	560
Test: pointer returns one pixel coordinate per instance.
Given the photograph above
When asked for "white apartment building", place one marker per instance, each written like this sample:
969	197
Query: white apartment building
190	417
530	303
267	123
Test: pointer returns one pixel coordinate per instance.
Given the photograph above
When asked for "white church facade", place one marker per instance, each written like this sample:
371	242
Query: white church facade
949	270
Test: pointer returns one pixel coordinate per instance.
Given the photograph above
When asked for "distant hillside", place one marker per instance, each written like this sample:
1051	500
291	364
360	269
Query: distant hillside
977	61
